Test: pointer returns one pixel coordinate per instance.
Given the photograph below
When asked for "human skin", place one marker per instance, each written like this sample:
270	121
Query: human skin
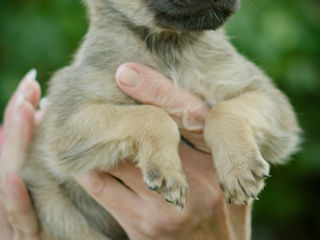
147	216
17	219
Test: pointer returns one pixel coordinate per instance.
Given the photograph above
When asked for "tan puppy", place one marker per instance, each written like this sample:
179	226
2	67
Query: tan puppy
90	124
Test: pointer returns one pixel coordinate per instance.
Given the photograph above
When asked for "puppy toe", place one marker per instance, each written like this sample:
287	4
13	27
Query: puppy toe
244	183
170	183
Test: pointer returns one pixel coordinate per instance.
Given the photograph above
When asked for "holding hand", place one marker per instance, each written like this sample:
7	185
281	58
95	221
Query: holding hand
144	214
141	212
17	218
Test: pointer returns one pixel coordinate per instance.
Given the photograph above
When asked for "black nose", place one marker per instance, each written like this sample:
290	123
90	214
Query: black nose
201	4
193	14
187	3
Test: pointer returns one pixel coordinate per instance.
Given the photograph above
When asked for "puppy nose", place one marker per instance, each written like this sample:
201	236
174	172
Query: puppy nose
191	3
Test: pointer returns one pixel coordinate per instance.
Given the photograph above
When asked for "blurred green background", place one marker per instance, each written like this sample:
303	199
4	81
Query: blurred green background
282	37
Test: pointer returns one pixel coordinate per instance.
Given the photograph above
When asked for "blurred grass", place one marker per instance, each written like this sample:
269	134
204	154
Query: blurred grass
282	37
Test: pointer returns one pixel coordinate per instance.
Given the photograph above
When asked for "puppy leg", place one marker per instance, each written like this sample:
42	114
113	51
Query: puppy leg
99	136
242	132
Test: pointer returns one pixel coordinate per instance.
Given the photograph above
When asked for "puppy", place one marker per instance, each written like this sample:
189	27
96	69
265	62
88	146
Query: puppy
91	124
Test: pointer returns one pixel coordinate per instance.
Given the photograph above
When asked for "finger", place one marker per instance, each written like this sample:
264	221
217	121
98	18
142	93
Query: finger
19	123
39	115
43	105
6	230
1	136
1	142
27	91
196	139
132	177
19	207
17	235
150	87
18	129
108	191
30	89
121	202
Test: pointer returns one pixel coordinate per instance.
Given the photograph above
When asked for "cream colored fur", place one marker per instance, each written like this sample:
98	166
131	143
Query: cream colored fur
91	124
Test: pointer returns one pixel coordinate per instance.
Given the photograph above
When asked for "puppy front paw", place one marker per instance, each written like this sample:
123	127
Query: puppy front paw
241	178
163	174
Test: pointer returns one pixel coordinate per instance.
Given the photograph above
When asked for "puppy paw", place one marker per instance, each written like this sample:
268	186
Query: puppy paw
243	179
168	180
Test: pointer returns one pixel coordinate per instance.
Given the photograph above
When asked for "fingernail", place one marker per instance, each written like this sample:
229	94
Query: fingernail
20	99
31	75
128	77
28	79
43	103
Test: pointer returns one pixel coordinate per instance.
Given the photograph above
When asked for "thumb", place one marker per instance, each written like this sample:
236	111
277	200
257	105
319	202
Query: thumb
107	190
150	87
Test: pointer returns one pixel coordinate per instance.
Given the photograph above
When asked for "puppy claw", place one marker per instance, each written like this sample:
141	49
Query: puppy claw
153	188
242	184
266	175
170	183
221	186
176	203
254	196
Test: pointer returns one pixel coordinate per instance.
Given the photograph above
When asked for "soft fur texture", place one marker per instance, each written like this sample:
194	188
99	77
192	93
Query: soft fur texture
91	124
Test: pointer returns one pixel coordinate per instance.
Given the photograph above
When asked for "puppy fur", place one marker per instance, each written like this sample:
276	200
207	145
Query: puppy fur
91	124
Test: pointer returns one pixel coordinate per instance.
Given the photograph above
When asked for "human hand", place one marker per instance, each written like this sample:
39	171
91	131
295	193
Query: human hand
188	110
142	213
17	218
205	217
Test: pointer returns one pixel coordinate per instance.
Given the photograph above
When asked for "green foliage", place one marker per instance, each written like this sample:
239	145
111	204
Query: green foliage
283	37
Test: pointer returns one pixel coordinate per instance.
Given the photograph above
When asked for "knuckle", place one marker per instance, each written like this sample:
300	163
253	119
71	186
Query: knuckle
150	228
158	91
98	191
162	227
153	94
96	186
217	199
194	115
154	227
